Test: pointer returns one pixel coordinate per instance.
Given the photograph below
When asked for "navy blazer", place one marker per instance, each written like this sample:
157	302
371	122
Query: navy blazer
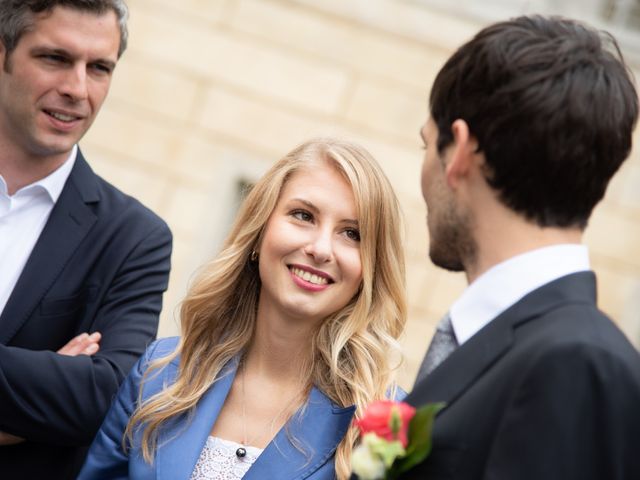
319	426
100	264
549	389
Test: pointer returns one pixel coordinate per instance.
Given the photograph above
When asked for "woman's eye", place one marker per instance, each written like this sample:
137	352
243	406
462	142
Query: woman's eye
302	215
353	234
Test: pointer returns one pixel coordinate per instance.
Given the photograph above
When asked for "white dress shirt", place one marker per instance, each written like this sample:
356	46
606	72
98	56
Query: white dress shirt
23	216
504	284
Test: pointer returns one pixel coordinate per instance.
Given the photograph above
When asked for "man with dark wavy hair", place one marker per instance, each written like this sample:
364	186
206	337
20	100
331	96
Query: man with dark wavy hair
82	266
528	122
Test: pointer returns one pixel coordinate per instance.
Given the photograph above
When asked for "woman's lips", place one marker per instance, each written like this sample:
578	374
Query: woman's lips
310	279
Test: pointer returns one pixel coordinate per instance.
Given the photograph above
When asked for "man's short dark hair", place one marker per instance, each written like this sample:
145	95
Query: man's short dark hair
17	16
552	106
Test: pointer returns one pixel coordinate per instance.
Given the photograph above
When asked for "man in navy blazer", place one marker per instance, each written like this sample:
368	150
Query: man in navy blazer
82	265
528	122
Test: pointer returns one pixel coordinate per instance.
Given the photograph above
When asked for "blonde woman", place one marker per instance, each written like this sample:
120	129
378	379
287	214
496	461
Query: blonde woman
287	334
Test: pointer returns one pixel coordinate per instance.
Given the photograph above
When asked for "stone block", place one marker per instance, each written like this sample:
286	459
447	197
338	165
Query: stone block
240	62
209	11
258	125
154	87
199	160
612	234
406	19
344	42
187	208
388	107
133	135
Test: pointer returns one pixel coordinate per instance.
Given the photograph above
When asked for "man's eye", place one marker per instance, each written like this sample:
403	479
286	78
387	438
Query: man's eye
53	58
104	69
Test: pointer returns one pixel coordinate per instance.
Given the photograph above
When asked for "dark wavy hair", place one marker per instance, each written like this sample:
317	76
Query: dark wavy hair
552	106
16	16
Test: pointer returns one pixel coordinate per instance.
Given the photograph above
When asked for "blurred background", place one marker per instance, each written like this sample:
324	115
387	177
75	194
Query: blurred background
211	92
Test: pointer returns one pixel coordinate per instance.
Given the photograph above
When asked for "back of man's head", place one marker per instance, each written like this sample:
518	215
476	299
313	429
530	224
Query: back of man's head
552	106
17	16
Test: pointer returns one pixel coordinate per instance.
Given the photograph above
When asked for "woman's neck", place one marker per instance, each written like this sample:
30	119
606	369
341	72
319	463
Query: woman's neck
279	350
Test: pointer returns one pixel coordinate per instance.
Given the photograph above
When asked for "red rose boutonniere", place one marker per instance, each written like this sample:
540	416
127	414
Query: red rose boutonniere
394	437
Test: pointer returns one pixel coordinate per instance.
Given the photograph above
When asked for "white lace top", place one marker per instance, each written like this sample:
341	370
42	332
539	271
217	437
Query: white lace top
218	460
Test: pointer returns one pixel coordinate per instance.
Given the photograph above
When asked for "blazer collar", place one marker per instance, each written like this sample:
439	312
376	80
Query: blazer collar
84	180
314	426
473	358
70	221
319	426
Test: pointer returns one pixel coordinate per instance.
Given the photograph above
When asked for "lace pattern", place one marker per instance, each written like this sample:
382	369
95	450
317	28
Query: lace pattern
218	460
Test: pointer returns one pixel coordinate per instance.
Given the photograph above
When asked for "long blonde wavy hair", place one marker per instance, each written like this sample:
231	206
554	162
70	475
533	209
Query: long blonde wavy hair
354	352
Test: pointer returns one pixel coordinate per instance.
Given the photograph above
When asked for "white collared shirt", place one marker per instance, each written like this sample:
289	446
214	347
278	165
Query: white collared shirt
504	284
23	216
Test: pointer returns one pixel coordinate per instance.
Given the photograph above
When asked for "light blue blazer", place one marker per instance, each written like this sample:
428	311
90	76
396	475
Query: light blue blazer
320	427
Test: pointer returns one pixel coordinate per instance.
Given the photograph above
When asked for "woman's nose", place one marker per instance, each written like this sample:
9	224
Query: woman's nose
320	247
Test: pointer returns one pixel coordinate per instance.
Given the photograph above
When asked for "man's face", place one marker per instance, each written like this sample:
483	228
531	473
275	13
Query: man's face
450	240
54	82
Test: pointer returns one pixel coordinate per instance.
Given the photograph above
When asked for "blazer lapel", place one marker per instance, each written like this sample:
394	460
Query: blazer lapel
469	362
318	427
180	442
69	222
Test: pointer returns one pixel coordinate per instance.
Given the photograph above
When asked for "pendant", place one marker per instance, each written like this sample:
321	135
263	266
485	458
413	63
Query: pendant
241	452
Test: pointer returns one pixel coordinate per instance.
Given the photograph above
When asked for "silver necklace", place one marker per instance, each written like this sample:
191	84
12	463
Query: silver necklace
241	452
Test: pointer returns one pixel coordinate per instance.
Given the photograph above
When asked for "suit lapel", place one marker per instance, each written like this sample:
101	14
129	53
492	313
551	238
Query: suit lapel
180	442
465	364
69	222
318	427
469	362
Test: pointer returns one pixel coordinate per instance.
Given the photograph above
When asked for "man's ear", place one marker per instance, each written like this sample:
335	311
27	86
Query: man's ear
463	153
4	58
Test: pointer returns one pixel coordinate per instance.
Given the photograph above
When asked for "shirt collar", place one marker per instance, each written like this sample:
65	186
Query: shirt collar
504	284
54	182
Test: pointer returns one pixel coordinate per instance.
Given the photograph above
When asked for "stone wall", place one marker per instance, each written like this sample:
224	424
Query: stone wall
211	92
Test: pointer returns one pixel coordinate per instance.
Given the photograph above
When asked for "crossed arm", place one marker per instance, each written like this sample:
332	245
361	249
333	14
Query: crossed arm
61	397
83	344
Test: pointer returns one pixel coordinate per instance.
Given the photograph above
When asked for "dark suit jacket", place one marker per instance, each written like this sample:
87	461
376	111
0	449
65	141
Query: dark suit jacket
318	427
550	389
100	264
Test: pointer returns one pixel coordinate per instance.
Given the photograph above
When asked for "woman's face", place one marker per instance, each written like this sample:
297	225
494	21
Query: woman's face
310	253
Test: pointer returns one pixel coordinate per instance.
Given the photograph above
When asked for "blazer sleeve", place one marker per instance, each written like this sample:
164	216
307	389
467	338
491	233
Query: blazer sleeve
574	415
52	398
107	458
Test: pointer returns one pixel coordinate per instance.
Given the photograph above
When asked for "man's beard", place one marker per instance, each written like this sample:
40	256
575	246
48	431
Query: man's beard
451	245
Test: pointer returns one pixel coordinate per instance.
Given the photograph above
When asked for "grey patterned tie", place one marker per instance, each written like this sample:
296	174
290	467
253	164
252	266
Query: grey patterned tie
442	345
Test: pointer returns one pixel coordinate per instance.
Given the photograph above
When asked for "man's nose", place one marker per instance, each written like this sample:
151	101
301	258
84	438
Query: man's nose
74	83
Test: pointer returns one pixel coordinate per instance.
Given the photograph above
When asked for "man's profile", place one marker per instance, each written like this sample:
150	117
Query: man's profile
529	120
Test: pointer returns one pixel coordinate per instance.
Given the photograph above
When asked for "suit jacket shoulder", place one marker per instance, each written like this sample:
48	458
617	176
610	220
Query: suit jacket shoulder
548	389
101	264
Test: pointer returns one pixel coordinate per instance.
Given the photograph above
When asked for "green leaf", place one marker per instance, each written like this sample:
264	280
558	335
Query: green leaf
419	438
395	422
390	452
385	450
